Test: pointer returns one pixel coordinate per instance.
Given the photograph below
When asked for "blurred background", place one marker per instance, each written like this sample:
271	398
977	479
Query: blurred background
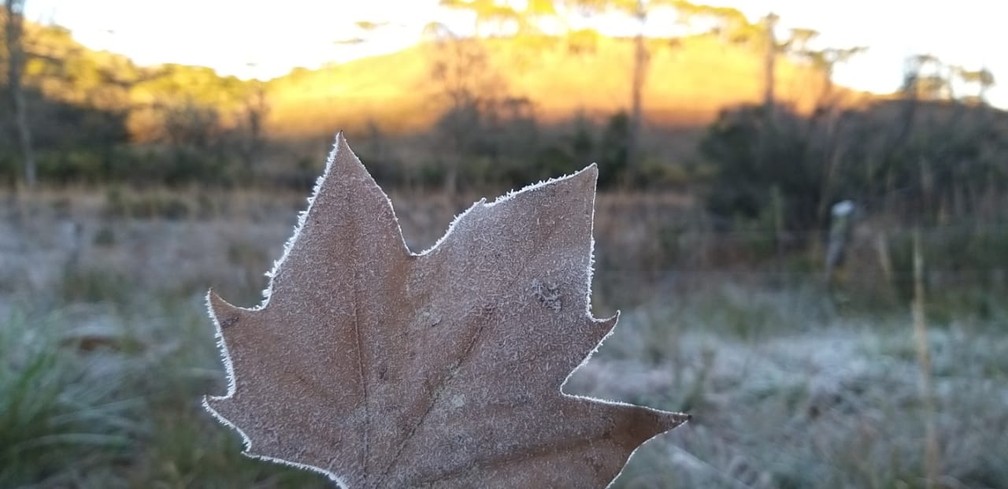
802	215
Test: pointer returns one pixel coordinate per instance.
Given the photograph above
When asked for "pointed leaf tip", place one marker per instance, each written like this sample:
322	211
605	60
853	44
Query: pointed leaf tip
587	177
342	155
645	423
223	312
672	420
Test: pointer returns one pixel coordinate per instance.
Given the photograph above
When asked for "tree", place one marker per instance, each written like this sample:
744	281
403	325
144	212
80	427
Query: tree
501	14
828	108
824	60
16	60
771	48
981	79
485	12
465	79
728	20
760	166
638	10
927	77
254	113
763	37
729	23
825	121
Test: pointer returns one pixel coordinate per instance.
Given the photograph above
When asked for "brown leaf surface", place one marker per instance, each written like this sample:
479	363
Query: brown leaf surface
384	368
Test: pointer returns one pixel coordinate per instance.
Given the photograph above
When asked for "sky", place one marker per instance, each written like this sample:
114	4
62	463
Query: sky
254	38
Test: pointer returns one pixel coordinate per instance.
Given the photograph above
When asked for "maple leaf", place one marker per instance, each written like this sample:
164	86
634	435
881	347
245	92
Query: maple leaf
383	368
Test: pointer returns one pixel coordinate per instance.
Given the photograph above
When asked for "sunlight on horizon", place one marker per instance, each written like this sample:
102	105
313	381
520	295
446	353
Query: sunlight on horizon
256	39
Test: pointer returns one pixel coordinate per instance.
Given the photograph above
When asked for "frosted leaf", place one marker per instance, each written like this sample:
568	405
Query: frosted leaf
383	368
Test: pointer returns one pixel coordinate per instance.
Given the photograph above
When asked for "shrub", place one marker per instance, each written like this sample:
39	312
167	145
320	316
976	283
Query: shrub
755	156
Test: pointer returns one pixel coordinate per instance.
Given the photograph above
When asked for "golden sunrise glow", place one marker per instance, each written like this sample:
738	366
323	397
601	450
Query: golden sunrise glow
255	38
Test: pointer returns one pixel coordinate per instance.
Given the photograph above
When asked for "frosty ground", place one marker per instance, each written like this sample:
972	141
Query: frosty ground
106	352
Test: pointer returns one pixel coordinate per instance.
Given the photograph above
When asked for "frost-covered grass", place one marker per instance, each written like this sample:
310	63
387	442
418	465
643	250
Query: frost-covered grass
106	351
107	395
812	396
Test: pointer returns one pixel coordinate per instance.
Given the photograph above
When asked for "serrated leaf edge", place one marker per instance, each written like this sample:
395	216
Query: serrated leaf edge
341	145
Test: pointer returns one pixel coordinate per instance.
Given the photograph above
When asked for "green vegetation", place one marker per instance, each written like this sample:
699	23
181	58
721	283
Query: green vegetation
49	413
114	402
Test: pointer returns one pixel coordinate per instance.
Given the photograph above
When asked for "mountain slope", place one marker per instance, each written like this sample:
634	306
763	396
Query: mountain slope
688	83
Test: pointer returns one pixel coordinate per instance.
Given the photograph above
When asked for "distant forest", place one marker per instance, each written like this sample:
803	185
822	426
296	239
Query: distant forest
729	109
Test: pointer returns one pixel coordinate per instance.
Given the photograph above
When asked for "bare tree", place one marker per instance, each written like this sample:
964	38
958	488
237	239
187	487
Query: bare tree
14	36
467	82
771	50
254	112
640	67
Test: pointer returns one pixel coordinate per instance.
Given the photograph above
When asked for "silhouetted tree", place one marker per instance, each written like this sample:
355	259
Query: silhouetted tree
471	89
253	115
771	49
16	60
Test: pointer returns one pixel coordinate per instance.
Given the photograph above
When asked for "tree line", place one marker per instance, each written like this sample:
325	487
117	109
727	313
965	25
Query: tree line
934	151
77	115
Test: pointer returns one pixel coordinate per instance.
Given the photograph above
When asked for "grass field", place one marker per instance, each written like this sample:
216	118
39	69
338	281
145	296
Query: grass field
106	352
